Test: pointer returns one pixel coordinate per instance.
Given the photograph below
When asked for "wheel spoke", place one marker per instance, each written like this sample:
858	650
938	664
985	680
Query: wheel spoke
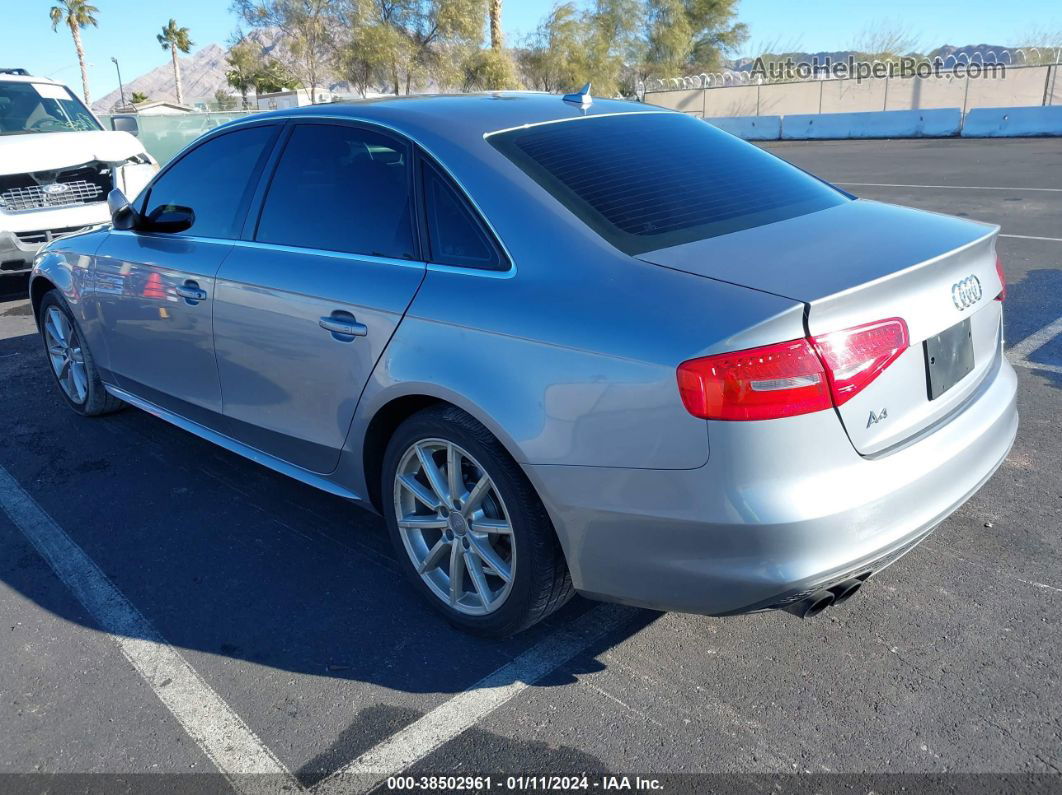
70	387
491	558
414	522
52	326
434	476
64	324
499	526
435	556
475	497
457	573
479	582
418	491
77	373
454	485
56	349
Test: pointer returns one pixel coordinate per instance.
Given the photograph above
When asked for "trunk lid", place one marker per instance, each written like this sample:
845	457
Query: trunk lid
861	262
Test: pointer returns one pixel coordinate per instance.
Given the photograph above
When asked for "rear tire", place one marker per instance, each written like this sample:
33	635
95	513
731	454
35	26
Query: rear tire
486	517
70	360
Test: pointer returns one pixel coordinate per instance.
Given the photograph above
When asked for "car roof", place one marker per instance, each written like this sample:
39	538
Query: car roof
6	77
464	118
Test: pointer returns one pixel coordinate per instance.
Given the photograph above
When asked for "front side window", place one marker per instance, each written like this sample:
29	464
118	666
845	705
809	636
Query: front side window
340	188
455	235
214	180
41	108
645	181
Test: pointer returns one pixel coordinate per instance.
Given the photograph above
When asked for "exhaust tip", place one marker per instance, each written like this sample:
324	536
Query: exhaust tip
846	590
811	606
818	603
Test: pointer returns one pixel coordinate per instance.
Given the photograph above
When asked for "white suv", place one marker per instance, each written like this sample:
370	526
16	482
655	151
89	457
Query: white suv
57	165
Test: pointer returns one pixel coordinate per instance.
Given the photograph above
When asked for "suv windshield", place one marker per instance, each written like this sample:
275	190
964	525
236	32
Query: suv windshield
645	181
41	108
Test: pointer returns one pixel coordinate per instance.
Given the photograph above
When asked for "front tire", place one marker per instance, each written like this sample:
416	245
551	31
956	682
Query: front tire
72	365
467	526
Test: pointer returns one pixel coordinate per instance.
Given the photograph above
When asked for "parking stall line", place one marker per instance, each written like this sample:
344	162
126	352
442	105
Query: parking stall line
1036	340
1049	368
946	187
1033	237
450	719
220	733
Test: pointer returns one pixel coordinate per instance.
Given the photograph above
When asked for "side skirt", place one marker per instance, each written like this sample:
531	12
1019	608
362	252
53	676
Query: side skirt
284	468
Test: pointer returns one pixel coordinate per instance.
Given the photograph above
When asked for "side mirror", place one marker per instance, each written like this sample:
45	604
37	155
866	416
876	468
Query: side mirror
125	123
168	219
123	216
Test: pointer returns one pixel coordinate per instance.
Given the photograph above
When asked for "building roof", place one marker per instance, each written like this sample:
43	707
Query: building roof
140	107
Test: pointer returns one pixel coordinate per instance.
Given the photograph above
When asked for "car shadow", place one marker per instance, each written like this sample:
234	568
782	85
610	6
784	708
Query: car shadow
1033	303
13	287
227	558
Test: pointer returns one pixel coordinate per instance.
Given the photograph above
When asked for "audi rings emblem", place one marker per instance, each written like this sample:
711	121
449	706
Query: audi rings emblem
966	292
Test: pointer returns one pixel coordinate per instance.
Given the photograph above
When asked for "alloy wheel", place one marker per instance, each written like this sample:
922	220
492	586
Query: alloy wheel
65	355
454	526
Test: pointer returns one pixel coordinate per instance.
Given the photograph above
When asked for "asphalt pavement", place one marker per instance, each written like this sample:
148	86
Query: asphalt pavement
280	609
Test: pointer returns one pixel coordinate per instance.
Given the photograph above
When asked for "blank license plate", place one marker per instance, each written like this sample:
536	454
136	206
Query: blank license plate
949	358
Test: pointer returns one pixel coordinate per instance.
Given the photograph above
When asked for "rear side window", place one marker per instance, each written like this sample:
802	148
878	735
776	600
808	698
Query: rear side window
455	234
341	188
215	180
645	181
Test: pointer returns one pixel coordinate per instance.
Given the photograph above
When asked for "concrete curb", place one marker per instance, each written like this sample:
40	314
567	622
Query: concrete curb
1013	122
926	123
751	128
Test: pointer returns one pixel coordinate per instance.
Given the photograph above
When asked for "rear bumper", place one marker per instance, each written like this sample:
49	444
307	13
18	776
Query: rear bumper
781	508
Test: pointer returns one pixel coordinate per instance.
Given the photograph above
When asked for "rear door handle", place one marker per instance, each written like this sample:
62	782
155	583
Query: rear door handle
191	291
343	325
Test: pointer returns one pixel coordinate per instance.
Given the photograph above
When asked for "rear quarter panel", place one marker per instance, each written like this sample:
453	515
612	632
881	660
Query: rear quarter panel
573	363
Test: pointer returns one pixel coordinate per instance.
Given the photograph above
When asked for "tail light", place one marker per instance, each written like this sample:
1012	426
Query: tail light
781	380
1002	280
856	356
790	378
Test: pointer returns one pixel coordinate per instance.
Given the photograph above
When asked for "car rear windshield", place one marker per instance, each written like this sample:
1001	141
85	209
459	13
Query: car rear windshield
645	181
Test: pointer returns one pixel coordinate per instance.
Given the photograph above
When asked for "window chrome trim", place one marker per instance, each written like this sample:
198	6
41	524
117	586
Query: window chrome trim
296	117
326	252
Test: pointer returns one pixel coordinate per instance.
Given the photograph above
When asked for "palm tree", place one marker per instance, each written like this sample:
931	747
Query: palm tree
496	37
77	14
173	39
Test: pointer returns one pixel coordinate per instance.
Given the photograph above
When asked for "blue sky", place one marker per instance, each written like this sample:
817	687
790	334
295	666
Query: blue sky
128	27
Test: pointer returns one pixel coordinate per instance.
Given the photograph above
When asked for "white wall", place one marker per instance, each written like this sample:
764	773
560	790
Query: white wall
1018	86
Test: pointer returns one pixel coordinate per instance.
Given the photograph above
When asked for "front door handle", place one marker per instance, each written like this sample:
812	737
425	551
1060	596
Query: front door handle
343	326
191	292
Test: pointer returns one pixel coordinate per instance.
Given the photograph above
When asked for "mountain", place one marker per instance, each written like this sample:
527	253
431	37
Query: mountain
202	73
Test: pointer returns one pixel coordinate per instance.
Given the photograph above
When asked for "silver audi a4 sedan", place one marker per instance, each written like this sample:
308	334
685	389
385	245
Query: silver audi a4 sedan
605	349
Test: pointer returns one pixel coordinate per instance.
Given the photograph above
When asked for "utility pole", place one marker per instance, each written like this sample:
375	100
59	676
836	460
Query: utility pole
121	88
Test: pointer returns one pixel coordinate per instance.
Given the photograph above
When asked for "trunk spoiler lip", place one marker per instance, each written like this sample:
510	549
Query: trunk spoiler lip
988	231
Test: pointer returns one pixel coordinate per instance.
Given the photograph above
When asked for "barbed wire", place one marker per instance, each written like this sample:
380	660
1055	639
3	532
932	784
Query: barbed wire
1014	56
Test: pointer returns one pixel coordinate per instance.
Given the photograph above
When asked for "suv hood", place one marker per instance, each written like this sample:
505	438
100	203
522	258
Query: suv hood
31	152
